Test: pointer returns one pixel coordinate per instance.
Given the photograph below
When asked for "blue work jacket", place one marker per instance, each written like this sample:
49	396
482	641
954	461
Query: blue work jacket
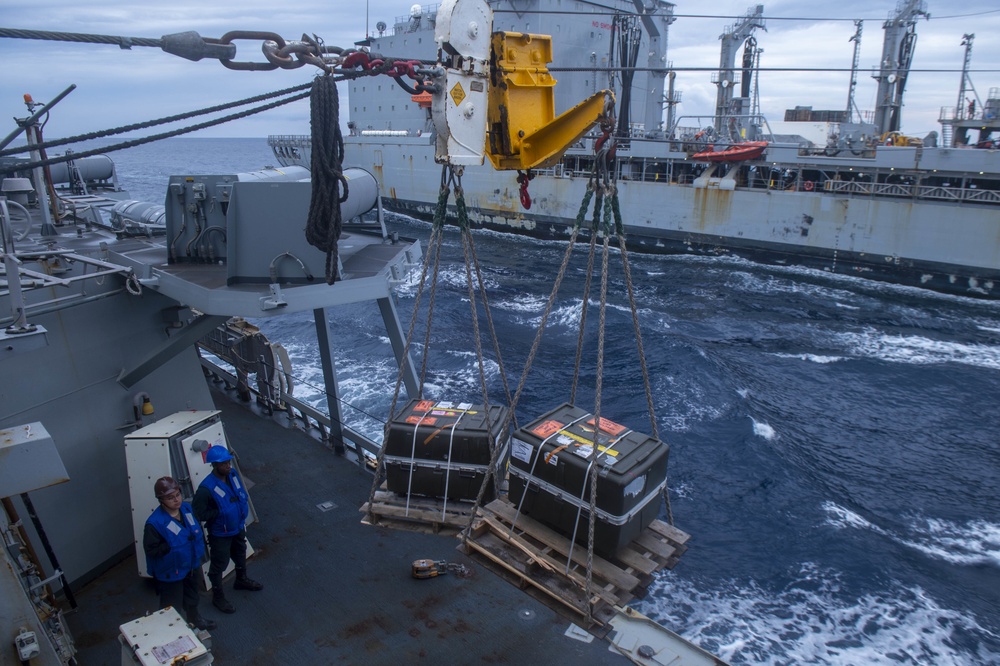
186	540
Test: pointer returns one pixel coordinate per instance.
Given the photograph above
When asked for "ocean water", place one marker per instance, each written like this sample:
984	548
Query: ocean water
835	443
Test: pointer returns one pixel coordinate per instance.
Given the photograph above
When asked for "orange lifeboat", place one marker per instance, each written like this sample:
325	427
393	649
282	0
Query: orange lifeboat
748	150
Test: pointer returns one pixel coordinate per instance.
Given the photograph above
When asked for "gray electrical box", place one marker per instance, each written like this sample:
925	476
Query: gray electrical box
30	460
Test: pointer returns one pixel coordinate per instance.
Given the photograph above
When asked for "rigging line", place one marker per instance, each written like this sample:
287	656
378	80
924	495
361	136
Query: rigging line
467	532
151	123
475	328
380	458
728	17
597	411
819	70
489	321
583	310
10	168
430	311
957	16
123	42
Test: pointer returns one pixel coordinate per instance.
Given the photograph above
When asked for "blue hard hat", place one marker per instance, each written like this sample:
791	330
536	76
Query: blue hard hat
218	454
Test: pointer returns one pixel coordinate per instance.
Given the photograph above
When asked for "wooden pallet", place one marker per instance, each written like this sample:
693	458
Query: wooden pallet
534	557
424	514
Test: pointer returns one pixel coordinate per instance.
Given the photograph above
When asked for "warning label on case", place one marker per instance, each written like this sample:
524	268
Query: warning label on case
547	428
609	427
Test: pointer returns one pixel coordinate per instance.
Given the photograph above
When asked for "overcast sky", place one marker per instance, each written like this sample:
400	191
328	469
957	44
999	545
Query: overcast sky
116	87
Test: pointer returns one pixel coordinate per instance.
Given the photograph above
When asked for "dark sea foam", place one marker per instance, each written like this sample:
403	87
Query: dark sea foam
835	451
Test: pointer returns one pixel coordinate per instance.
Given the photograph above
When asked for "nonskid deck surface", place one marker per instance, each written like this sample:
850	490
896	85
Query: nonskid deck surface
337	591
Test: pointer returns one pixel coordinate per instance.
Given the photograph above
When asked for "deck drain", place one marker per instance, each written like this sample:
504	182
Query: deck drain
326	506
526	614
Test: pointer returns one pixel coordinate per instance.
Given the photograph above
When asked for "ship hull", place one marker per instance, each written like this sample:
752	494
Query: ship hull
928	244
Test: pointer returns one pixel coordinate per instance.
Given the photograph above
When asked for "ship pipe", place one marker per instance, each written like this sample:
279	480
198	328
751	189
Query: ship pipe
27	215
273	267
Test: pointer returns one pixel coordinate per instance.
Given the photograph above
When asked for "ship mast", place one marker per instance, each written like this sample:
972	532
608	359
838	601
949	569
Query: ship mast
726	106
897	54
852	107
966	83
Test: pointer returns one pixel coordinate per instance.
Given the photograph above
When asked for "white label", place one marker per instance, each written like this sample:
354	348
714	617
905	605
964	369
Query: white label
174	527
219	491
520	450
465	406
636	487
445	405
190	519
583	451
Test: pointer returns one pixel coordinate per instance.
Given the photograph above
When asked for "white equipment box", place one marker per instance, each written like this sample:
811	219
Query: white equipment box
162	638
173	446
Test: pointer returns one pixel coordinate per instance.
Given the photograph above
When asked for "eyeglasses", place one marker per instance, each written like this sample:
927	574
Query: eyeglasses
172	496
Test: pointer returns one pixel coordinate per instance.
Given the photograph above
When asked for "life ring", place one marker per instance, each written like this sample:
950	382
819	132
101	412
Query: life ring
807	186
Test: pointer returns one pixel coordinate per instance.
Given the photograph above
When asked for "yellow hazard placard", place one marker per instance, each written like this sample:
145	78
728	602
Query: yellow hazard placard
586	441
457	93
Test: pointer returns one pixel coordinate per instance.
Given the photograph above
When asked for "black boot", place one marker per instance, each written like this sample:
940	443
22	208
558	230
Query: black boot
195	619
244	583
219	601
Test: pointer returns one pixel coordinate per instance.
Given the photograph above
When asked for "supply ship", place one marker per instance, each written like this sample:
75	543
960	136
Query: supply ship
867	200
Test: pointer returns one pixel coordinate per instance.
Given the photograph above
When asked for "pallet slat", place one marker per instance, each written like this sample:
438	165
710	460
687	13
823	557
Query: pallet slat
533	556
422	514
558	542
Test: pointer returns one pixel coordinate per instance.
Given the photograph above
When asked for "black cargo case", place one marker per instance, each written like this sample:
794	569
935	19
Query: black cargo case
443	449
550	471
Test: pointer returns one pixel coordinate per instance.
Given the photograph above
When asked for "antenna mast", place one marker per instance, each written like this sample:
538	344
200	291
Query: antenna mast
851	105
962	88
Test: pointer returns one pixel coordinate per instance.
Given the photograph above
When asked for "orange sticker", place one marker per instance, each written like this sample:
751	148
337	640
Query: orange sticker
609	426
547	428
422	420
424	406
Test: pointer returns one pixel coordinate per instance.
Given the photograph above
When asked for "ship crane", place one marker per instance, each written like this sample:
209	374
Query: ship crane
897	55
729	108
494	96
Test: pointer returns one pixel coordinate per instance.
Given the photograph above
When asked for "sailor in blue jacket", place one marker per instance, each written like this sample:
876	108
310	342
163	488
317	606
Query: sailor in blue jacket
175	545
222	504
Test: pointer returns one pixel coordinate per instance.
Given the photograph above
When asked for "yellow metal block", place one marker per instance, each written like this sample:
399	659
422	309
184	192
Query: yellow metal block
523	132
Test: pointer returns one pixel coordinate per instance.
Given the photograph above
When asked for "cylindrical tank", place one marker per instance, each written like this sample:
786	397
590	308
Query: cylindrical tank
362	188
95	167
137	213
275	174
362	193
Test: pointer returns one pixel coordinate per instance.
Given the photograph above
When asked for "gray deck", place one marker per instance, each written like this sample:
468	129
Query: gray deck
337	591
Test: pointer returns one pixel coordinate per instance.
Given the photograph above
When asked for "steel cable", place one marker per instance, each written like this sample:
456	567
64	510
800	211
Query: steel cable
152	123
